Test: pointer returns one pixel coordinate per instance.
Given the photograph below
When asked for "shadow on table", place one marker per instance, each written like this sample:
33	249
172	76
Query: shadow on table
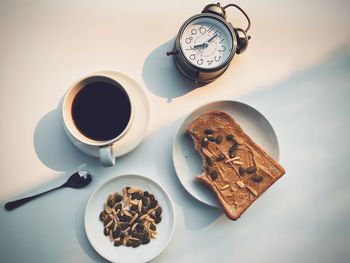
196	215
53	147
162	77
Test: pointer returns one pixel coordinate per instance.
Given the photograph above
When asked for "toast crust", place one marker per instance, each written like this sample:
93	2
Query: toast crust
234	191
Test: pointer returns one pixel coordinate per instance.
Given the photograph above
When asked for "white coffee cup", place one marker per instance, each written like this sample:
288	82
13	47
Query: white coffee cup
105	149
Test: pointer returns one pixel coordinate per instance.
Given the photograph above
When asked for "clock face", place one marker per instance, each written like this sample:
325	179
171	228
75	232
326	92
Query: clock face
206	42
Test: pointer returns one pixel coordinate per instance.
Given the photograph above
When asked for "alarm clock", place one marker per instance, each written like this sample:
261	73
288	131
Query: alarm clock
207	42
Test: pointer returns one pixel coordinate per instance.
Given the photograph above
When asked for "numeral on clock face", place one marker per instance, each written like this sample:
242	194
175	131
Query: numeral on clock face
206	42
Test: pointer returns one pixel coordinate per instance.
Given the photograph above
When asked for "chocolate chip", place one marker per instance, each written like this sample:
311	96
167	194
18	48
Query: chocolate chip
107	220
135	196
110	203
106	232
158	219
153	227
151	197
144	201
103	215
159	211
116	234
153	204
136	243
145	240
146	193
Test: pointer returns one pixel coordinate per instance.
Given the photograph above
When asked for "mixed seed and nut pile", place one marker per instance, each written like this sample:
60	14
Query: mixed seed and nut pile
231	157
131	218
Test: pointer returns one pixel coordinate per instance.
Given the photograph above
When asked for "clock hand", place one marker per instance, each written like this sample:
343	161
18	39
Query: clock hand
200	45
212	38
205	44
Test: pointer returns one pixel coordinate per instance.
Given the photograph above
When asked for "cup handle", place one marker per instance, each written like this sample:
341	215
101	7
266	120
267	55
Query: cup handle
107	157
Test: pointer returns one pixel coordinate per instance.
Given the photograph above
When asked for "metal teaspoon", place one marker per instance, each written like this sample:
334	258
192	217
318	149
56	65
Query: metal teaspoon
77	180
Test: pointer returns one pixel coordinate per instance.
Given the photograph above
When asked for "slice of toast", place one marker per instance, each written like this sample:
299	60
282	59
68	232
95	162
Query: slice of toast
237	170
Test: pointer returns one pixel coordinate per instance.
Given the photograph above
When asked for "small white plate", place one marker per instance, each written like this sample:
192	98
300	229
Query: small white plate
94	227
187	161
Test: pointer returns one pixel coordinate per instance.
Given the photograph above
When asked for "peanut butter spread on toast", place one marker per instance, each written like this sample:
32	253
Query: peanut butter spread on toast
237	170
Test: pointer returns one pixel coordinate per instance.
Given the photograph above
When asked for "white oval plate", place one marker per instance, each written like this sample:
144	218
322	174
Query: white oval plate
94	227
188	163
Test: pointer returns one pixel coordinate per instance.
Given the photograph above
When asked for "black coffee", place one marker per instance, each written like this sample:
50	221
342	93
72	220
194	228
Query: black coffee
101	110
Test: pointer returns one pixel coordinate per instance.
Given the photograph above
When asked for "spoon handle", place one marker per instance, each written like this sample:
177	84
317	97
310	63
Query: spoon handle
14	204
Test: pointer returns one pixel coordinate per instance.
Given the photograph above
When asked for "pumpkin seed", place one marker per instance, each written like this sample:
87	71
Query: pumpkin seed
209	162
229	137
107	209
211	138
214	175
251	169
241	170
208	131
225	187
257	178
220	157
232	159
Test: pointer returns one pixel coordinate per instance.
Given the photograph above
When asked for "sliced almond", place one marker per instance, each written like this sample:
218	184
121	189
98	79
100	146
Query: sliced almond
233	159
150	219
107	209
139	207
252	190
133	219
126	212
134	202
225	187
109	224
207	152
125	239
111	236
113	211
134	190
126	229
237	162
151	210
143	216
134	226
117	239
240	184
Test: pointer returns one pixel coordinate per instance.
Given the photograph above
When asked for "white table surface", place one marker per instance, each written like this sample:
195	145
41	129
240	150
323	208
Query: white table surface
296	71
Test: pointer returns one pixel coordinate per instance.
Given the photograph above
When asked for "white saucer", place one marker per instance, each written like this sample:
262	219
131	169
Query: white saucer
141	119
187	161
94	227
